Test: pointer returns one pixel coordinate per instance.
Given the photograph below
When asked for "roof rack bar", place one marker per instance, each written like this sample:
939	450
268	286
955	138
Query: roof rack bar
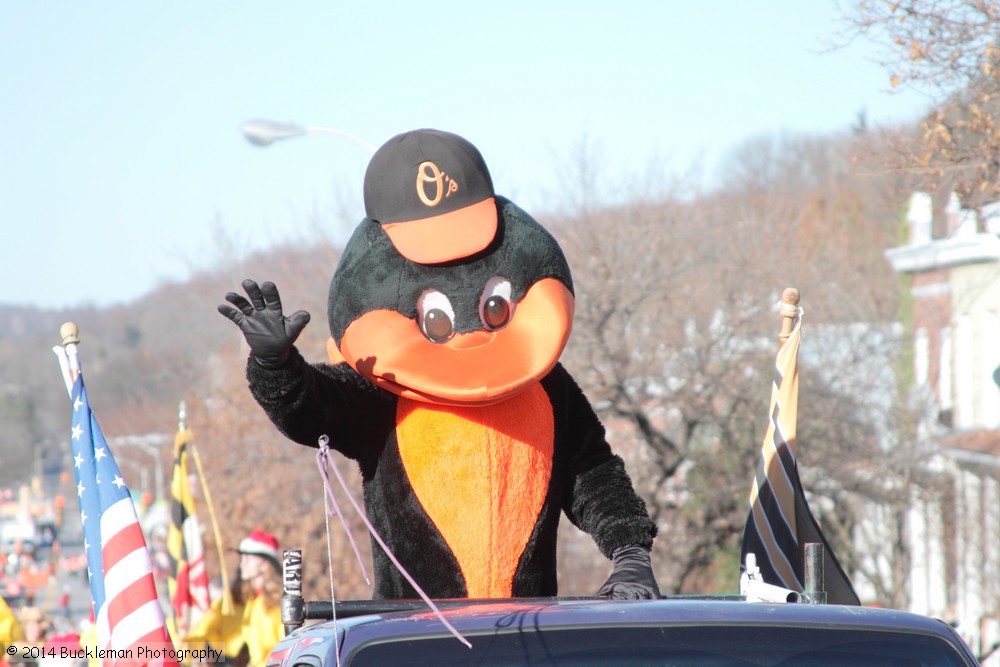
322	609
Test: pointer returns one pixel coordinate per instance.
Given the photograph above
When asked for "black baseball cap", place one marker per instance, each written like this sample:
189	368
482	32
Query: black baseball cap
433	195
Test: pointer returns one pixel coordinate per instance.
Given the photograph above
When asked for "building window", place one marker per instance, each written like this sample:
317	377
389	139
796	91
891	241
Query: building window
965	376
945	398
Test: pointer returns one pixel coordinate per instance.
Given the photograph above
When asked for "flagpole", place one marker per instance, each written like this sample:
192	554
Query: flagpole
789	306
227	595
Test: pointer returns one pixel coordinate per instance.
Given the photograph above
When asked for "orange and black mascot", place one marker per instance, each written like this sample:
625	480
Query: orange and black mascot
448	313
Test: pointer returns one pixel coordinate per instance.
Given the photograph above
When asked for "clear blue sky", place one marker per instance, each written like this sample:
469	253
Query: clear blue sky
121	161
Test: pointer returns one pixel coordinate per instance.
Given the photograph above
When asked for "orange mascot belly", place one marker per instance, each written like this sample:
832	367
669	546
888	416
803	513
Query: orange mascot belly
481	474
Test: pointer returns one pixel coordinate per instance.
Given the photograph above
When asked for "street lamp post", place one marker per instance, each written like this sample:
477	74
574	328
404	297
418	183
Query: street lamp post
152	445
260	132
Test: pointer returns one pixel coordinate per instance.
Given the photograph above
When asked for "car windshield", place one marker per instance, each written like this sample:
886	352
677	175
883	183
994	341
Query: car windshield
703	646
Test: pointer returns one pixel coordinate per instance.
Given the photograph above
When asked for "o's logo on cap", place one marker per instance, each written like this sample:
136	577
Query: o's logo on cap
444	185
432	195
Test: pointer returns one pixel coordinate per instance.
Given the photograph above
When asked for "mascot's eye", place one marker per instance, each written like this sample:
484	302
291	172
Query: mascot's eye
437	326
495	304
496	312
435	316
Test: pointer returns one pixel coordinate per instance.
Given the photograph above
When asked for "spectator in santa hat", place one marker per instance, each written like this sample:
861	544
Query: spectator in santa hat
63	650
247	634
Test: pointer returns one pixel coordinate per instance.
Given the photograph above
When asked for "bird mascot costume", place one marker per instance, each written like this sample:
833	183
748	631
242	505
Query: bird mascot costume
448	312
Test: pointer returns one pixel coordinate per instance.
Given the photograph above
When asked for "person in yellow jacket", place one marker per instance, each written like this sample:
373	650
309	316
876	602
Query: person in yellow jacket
88	640
10	629
247	635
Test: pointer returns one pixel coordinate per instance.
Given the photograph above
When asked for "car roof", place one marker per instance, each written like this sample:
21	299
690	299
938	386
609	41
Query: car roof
474	617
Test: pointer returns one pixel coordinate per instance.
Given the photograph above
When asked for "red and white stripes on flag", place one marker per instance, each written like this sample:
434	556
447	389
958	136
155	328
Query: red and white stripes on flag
131	615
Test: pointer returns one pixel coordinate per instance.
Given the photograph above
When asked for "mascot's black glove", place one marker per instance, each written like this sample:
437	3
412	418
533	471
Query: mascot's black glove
632	575
268	332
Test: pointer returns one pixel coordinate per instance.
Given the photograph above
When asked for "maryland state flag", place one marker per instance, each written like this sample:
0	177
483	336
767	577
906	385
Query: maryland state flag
188	580
779	524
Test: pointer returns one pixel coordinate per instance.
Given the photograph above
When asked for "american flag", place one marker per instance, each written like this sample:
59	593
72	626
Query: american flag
779	522
129	618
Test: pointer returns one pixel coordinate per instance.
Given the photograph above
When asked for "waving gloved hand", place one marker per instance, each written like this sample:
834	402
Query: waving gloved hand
631	576
268	332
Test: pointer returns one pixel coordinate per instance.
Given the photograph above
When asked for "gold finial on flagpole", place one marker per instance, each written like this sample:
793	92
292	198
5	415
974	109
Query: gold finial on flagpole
789	311
69	359
70	334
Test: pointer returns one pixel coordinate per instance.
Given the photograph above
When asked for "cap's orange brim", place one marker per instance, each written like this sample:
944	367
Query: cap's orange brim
476	368
445	237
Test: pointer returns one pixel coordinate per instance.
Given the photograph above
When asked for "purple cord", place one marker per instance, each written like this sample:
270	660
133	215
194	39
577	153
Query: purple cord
322	460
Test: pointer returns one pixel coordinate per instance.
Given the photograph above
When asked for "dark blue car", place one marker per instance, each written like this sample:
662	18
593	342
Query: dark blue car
672	631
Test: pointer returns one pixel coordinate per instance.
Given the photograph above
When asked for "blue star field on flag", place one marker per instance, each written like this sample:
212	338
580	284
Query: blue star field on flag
99	484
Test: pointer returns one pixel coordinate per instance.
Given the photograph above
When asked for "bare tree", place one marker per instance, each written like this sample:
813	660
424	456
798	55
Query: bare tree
675	342
948	49
668	344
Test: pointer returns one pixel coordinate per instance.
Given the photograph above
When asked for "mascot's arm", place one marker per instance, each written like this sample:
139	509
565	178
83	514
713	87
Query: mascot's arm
602	502
306	401
303	401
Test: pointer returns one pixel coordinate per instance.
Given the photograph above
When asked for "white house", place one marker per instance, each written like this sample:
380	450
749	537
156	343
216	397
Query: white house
954	530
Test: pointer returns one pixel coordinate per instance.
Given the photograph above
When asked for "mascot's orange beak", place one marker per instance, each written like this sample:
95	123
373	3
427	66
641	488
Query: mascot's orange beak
475	368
